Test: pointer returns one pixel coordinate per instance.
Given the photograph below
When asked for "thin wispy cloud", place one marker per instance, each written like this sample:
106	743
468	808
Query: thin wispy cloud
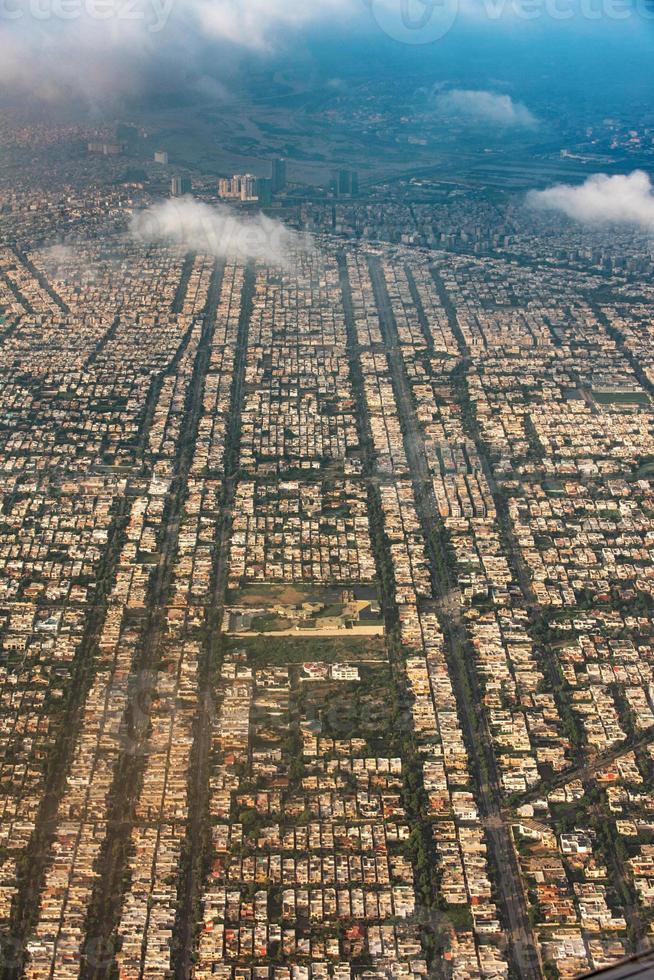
257	23
217	230
479	106
85	57
622	199
104	50
96	50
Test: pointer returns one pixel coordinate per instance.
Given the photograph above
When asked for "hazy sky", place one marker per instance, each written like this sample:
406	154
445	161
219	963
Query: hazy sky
114	49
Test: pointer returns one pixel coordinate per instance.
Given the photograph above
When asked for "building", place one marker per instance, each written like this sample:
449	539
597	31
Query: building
110	149
180	186
346	183
160	156
241	187
278	176
263	191
248	187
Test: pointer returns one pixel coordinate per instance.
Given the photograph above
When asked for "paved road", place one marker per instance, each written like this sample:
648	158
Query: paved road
199	784
107	898
508	880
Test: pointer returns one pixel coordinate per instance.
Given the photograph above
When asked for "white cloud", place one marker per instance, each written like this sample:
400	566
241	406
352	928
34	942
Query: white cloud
55	258
108	49
479	106
53	59
624	199
255	23
217	230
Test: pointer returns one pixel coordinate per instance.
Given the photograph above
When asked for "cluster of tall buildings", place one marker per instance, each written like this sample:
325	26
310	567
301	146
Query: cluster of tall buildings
247	187
345	183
